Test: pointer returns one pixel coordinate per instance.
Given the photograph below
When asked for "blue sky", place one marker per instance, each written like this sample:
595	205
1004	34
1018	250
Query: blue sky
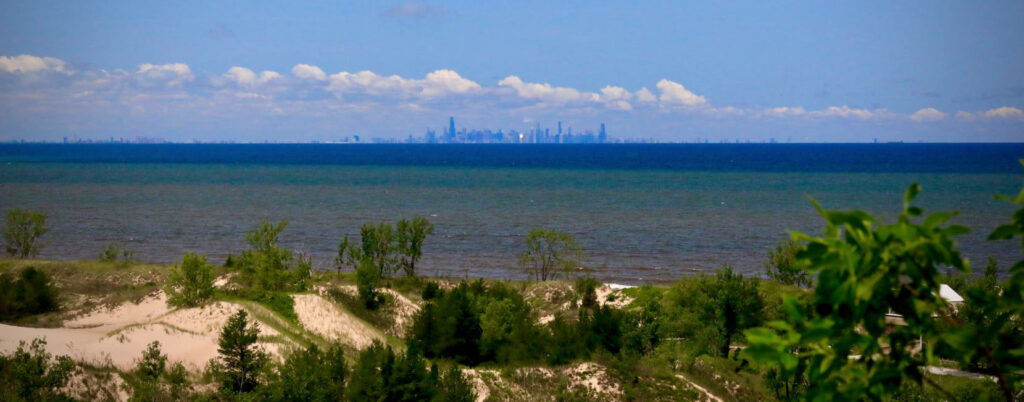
802	71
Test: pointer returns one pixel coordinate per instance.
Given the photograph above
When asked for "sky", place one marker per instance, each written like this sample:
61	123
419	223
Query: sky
797	71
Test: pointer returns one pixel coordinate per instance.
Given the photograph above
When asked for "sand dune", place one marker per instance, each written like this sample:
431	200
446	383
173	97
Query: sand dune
119	335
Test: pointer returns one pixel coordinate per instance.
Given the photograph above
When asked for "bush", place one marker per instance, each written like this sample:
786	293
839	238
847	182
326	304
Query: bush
367	276
33	374
191	283
586	290
431	291
269	266
31	293
152	381
308	375
782	267
22	232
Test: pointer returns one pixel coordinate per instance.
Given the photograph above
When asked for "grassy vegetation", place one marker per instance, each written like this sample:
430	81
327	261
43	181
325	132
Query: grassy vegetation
664	373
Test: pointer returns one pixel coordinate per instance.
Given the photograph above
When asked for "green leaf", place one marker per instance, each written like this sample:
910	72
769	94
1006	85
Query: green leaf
936	219
911	193
1003	232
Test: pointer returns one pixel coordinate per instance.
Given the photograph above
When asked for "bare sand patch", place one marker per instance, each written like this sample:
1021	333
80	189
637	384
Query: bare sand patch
595	377
322	317
605	290
118	335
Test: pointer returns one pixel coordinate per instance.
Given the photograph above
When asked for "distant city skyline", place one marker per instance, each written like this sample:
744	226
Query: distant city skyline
320	71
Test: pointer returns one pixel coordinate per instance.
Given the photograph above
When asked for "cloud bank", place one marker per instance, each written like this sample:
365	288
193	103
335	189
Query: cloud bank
48	94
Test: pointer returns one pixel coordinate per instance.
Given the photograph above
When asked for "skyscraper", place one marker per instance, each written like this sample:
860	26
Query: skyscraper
451	129
602	136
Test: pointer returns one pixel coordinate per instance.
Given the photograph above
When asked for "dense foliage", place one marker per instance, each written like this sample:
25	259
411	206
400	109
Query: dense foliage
152	380
22	232
478	322
782	267
841	344
269	266
190	283
32	374
381	375
31	292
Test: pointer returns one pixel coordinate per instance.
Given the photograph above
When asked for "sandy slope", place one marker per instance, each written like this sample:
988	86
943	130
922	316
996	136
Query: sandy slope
322	317
120	334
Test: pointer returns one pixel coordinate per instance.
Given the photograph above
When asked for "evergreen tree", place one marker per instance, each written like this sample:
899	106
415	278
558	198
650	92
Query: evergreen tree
243	360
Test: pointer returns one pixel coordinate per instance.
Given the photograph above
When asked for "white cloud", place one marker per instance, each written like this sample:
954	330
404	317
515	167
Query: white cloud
444	82
169	75
25	63
844	112
247	78
644	95
436	84
927	114
543	92
1005	112
674	92
616	98
783	111
308	72
367	82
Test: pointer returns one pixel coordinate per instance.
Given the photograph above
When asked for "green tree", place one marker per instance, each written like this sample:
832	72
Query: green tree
378	247
269	265
841	343
152	381
409	238
368	380
453	387
310	374
781	265
22	232
191	283
32	374
242	359
367	277
732	304
348	254
548	253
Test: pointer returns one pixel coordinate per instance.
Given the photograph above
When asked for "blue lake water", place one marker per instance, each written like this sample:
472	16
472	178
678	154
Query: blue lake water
643	213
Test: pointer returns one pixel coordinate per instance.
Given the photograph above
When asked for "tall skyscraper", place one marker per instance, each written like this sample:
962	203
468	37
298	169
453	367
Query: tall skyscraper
602	136
559	127
451	129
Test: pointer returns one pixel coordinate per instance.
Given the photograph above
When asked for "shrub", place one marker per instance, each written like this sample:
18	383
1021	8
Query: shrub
32	292
22	232
309	374
782	267
32	374
191	283
269	266
431	291
367	276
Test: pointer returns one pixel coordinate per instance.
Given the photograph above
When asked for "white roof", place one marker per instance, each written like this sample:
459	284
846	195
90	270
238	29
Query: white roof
949	294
